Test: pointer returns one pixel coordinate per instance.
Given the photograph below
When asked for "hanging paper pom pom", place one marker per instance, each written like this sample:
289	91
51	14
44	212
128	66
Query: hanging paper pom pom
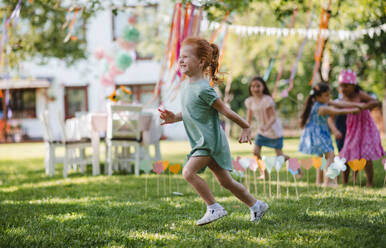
126	44
123	61
130	34
99	53
114	71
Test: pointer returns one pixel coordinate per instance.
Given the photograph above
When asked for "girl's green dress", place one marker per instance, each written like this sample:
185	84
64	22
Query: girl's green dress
202	123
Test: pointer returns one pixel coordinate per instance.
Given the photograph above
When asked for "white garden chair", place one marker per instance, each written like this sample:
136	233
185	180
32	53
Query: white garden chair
74	149
123	131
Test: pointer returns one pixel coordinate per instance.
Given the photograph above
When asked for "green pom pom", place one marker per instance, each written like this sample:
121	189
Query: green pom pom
131	34
123	61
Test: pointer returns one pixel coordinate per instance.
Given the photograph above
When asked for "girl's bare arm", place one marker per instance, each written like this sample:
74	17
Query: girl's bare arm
345	104
333	128
271	118
249	116
368	100
229	113
337	111
246	133
169	117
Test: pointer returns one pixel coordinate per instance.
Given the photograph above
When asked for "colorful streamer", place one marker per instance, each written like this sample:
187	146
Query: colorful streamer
324	17
285	92
281	68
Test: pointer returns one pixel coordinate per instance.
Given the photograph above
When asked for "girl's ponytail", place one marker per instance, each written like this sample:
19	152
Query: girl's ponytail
210	53
306	110
213	64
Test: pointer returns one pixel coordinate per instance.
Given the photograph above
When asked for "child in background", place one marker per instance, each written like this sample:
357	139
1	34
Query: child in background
200	107
316	137
337	126
269	131
362	137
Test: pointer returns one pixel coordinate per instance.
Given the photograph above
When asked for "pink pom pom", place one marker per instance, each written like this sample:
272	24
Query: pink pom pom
99	53
107	81
115	70
125	44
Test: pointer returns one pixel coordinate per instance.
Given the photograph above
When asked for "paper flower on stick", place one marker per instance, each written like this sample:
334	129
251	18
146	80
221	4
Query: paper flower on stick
332	172
165	164
158	168
339	164
146	165
324	163
175	168
357	165
306	163
317	162
279	162
293	166
245	162
253	164
270	162
236	165
336	167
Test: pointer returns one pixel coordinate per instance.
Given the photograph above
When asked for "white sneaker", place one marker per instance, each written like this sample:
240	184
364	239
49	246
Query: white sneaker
258	214
212	215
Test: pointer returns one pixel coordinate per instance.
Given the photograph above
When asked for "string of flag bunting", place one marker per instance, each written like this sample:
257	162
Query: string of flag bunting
311	33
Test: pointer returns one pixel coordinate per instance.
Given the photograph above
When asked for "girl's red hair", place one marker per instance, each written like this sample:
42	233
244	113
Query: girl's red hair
209	52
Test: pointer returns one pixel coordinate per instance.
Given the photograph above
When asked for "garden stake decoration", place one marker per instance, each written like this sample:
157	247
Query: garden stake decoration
280	160
357	165
270	162
336	167
238	168
245	162
293	167
146	165
158	168
261	165
384	167
165	165
175	169
253	167
306	163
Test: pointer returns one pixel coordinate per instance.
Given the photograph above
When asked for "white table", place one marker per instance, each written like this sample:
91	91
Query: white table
92	125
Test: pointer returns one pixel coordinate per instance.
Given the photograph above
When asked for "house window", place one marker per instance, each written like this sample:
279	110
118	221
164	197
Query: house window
142	93
75	100
22	103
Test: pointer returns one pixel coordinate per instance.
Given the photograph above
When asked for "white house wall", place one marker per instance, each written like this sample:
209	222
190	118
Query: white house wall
99	35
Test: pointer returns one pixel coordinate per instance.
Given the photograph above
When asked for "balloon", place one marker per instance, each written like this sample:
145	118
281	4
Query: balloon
130	34
123	61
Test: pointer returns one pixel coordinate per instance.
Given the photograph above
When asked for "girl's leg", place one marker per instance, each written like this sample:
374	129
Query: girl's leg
257	153
225	179
345	175
189	172
280	152
369	173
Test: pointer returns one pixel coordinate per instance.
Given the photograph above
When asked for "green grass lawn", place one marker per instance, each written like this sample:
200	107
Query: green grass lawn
87	211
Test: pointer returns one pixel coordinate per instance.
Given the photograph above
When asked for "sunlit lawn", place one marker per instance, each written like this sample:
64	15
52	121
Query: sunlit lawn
87	211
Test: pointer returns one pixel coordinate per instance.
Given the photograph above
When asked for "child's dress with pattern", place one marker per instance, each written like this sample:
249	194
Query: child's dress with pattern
316	138
362	138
